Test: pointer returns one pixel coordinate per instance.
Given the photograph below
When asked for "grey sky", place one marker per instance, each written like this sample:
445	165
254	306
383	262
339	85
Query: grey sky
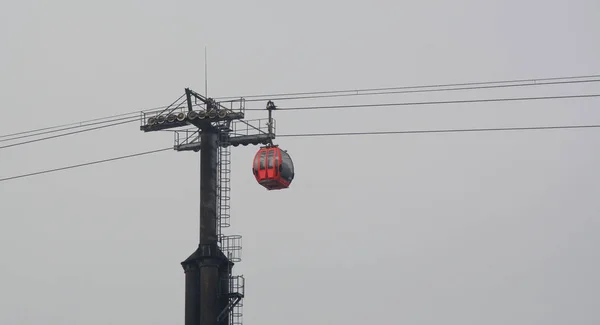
487	228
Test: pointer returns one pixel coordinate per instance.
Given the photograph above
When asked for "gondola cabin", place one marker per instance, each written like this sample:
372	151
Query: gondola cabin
273	168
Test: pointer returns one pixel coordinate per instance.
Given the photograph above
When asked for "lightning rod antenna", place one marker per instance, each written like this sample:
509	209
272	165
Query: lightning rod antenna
205	74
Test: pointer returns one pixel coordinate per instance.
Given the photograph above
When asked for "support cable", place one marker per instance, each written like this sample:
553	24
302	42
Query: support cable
320	94
589	126
74	125
527	128
434	89
85	164
79	125
481	100
465	101
530	82
65	134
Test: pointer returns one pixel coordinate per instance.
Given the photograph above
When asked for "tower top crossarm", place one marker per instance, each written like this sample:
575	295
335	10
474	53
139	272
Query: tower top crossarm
194	109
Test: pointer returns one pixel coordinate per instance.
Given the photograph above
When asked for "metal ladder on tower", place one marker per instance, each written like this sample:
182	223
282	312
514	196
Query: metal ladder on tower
223	185
231	245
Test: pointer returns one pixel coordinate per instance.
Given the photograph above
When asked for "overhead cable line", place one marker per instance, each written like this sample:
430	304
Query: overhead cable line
435	89
528	128
477	83
85	164
65	134
481	100
132	119
66	128
75	125
78	124
127	120
338	107
339	93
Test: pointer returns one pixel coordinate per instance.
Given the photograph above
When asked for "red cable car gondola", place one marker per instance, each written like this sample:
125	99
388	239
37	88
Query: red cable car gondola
273	168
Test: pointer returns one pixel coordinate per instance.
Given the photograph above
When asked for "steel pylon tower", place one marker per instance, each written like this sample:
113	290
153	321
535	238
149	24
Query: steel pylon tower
213	295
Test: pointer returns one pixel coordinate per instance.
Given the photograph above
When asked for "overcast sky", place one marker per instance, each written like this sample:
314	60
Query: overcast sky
465	228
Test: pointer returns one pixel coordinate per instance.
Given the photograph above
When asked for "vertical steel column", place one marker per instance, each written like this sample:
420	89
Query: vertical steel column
208	187
202	268
191	267
209	275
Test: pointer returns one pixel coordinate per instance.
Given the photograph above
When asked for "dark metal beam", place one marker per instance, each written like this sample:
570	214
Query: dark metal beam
211	293
251	139
243	140
163	126
188	97
207	267
200	123
208	186
193	285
